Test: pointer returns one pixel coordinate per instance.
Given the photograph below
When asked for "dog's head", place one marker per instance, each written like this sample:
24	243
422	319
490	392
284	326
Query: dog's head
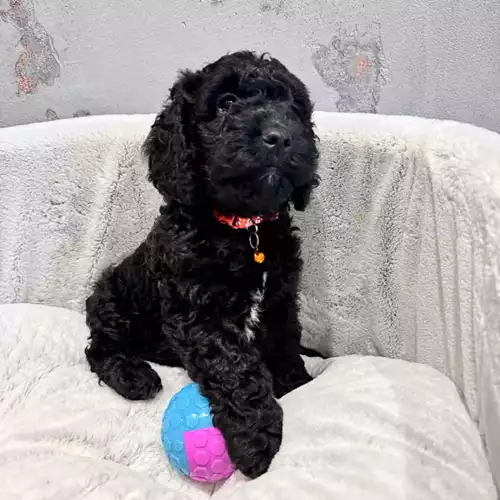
236	136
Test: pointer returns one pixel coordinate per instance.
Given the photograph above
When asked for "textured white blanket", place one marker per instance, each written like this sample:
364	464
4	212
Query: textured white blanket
365	429
401	243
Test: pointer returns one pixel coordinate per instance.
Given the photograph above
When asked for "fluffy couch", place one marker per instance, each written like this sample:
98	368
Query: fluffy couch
401	290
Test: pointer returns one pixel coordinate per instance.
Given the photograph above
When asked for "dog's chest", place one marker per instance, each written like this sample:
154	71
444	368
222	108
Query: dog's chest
253	316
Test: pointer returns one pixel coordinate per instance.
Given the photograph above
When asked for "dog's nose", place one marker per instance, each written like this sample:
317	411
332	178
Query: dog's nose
276	138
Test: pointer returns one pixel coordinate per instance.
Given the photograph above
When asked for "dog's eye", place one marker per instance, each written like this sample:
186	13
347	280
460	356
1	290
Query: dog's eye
256	92
226	101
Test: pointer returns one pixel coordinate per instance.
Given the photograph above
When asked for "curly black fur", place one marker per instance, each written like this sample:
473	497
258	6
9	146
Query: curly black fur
235	137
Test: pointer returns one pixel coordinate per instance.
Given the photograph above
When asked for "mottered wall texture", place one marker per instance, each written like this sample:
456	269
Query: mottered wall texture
65	58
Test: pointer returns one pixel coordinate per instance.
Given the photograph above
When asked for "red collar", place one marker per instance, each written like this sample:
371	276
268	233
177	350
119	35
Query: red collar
243	222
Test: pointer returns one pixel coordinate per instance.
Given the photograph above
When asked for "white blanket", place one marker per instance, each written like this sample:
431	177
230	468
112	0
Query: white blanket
401	242
364	429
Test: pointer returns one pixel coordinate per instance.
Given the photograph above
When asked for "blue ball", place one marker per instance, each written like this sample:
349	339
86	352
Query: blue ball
188	410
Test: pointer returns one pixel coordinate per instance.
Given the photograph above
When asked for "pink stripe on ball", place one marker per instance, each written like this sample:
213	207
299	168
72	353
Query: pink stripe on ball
207	455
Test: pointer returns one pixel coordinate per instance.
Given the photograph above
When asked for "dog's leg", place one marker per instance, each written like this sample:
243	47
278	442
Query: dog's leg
283	345
125	329
231	374
282	350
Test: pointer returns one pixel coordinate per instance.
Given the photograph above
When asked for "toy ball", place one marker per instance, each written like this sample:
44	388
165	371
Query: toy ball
194	447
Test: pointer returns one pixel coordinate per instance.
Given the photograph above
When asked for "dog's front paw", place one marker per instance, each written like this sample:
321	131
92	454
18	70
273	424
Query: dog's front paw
253	440
132	378
256	450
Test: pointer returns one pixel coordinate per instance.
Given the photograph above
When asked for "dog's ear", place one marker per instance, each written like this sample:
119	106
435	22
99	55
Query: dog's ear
169	145
302	194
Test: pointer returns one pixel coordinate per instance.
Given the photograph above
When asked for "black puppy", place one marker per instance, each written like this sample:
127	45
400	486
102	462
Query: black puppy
214	286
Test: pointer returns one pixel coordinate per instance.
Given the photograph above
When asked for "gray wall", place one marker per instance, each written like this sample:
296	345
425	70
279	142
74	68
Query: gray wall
438	58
